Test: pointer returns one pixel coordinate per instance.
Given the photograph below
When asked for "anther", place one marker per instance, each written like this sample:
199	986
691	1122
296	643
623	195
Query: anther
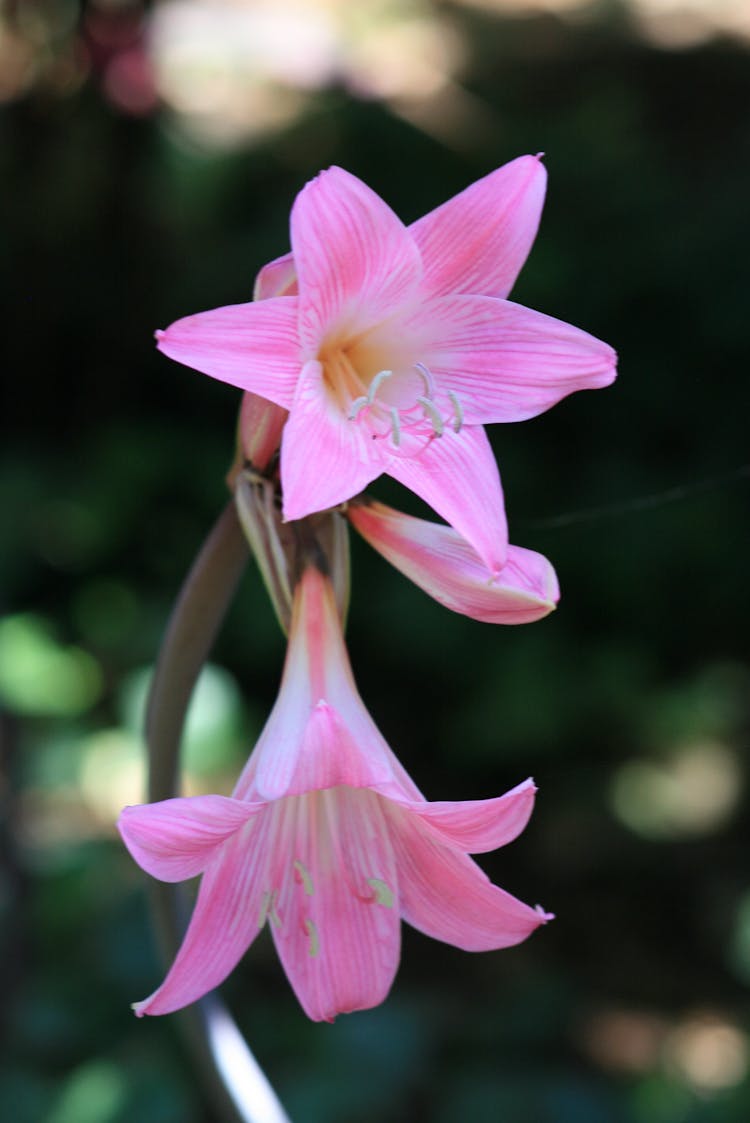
304	875
431	411
395	427
312	932
367	399
458	413
376	383
383	892
424	372
268	909
357	406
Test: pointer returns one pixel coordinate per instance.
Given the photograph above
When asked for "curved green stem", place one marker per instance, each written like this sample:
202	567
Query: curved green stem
237	1085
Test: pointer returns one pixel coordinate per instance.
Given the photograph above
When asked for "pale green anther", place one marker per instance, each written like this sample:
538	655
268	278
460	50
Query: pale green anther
268	909
383	892
357	406
396	427
426	376
304	873
458	413
367	399
377	382
432	411
312	932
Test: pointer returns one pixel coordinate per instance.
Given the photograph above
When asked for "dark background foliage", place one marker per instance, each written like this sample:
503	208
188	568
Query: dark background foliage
629	705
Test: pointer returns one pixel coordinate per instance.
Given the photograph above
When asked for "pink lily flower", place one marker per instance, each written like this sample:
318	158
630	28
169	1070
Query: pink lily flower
443	563
391	347
326	839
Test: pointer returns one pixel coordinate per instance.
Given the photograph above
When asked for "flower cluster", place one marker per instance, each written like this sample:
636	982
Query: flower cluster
371	348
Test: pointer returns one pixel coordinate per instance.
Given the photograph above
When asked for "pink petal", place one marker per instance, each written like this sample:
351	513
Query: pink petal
508	363
277	278
323	755
478	241
442	563
319	734
457	475
325	457
476	826
253	346
260	426
355	260
176	838
338	934
227	917
447	896
329	756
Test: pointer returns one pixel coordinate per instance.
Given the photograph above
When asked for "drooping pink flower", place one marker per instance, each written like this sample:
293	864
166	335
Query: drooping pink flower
443	563
328	840
391	347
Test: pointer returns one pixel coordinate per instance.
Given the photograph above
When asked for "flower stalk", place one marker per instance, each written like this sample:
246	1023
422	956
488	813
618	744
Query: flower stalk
238	1088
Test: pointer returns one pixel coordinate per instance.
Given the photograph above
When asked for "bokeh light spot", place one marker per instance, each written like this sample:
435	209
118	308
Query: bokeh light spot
627	1041
691	792
38	676
709	1052
112	773
95	1093
214	737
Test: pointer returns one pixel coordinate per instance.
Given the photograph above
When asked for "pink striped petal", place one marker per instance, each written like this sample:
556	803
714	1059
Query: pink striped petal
176	838
277	278
478	241
319	733
253	346
447	896
476	826
338	931
355	260
442	563
329	755
457	475
325	458
227	917
259	430
507	363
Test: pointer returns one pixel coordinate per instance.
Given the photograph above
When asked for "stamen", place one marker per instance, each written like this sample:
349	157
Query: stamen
268	909
383	892
367	399
427	379
273	916
458	413
312	932
407	417
432	412
396	425
304	877
357	406
381	377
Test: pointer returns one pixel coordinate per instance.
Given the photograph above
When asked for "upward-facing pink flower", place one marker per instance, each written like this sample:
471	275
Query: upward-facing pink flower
328	841
392	346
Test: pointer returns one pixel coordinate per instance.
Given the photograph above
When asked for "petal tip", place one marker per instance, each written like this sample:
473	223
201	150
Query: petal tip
544	917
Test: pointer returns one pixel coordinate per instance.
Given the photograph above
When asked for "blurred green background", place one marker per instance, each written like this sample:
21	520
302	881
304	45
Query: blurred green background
149	155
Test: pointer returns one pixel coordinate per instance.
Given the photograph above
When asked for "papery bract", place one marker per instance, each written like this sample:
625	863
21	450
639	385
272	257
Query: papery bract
442	563
391	347
328	840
